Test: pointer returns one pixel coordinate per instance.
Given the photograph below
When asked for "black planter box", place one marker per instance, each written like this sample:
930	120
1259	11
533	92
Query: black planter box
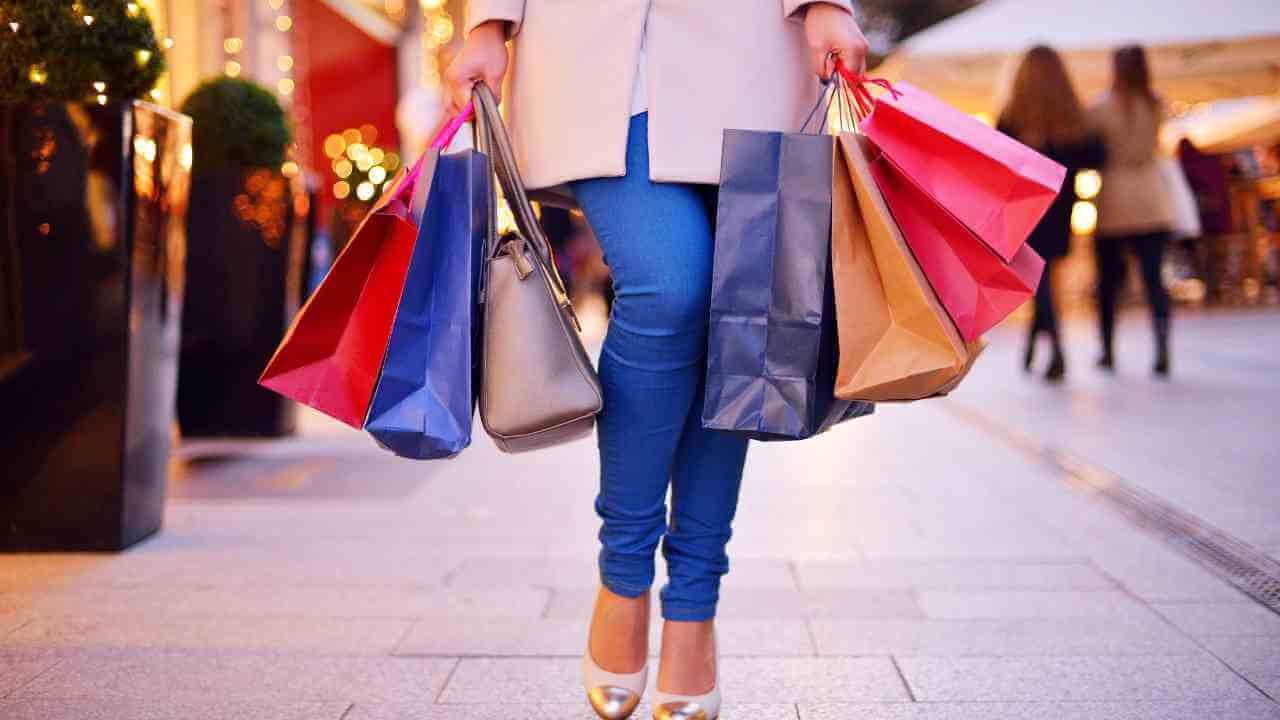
92	242
246	251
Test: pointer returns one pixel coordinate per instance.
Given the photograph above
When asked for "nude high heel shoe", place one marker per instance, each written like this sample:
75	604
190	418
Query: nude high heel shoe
669	706
612	696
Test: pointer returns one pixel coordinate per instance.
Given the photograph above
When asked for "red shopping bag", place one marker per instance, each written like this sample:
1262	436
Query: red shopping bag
332	354
996	186
977	287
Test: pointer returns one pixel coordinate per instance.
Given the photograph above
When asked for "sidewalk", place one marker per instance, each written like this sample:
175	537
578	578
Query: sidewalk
920	564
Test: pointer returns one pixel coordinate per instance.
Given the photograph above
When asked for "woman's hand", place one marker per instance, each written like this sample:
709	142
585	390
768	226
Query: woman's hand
830	28
483	58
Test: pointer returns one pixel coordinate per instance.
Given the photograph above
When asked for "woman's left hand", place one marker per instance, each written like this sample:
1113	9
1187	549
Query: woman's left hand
830	28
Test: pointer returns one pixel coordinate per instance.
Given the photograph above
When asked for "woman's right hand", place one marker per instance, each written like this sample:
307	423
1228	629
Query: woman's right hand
483	58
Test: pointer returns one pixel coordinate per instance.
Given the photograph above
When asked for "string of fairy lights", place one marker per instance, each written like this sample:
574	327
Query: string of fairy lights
38	73
361	169
278	18
233	45
437	31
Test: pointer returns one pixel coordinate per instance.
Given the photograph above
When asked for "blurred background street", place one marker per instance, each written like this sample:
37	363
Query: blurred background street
960	558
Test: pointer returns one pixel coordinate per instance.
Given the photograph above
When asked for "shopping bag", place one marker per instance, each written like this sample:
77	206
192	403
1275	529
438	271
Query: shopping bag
425	396
1186	211
994	185
332	353
772	340
330	357
897	342
977	287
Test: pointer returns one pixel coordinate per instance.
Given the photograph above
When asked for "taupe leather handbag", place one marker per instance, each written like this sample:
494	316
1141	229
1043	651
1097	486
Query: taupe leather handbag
537	386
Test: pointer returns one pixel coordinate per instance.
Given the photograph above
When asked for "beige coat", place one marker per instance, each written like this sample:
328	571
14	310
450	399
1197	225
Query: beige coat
1133	198
712	64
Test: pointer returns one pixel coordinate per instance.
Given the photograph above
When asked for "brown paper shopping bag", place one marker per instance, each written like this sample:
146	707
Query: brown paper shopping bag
897	342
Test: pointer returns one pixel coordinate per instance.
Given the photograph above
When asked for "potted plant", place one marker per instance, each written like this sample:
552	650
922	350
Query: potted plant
245	257
93	194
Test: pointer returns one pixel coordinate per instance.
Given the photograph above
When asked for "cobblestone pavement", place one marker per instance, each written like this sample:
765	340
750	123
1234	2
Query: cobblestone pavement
932	562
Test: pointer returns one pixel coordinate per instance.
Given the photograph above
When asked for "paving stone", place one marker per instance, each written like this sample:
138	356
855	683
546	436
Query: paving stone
756	638
578	572
451	636
201	676
354	636
314	563
1154	573
512	571
35	572
1256	657
1245	618
1152	677
564	637
1228	710
958	604
1001	637
861	603
164	708
160	602
745	680
950	574
12	618
774	680
773	603
544	711
275	603
19	667
533	680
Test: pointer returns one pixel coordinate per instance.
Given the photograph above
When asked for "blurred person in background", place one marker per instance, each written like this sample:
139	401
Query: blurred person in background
1208	179
624	104
1044	112
1134	209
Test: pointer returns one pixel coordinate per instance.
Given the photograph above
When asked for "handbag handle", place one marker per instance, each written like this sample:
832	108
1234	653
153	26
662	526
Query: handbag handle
493	139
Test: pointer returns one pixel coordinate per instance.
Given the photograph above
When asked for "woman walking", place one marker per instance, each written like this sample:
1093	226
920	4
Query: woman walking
1045	113
1134	212
623	105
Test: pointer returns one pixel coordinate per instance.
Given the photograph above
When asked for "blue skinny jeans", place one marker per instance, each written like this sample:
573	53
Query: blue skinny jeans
657	240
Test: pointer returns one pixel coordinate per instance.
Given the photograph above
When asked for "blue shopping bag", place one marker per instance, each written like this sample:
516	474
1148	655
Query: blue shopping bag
426	392
771	356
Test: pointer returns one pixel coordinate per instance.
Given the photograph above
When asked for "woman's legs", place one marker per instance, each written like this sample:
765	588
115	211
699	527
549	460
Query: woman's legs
1042	317
1150	250
1149	247
1109	253
657	240
1047	320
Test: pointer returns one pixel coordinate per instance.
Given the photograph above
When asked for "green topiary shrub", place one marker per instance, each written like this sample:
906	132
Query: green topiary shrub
236	124
86	50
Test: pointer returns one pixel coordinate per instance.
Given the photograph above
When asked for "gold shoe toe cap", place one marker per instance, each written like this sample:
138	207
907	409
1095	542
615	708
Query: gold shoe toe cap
612	703
680	711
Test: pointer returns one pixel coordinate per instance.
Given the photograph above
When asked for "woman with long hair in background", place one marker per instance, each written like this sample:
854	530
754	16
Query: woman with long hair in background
1044	112
1134	211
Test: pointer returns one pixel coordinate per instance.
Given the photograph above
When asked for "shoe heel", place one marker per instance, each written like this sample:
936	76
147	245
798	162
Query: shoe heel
669	706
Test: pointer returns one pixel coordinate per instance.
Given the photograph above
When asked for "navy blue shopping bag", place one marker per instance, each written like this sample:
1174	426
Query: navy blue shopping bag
426	393
772	351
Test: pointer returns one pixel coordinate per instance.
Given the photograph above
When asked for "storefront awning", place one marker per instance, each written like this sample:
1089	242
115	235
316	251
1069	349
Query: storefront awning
1227	125
1199	50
